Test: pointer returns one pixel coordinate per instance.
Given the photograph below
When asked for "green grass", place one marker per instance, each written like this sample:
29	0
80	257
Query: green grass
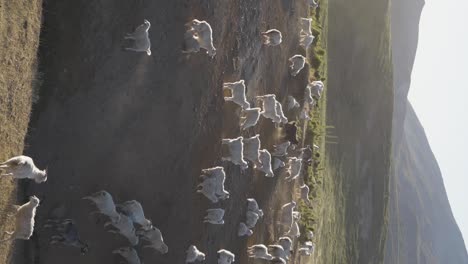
20	22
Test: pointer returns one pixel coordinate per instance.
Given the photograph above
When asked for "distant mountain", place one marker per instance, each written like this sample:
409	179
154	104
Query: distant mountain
421	226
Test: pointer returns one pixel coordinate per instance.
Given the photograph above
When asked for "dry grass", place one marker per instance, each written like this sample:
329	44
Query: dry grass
20	22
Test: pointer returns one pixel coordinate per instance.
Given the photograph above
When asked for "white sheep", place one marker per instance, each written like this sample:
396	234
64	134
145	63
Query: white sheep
252	205
306	37
208	188
304	189
244	230
287	216
251	219
308	98
277	251
259	251
272	37
219	175
105	205
277	163
265	163
134	210
155	239
199	34
292	103
304	114
225	257
249	117
22	167
214	216
313	3
294	167
294	231
252	149
269	107
279	111
286	243
129	254
306	25
297	63
24	220
236	149
193	254
281	149
141	39
316	88
237	93
296	215
125	228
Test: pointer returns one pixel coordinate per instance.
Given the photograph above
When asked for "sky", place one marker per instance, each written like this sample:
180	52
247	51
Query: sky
439	95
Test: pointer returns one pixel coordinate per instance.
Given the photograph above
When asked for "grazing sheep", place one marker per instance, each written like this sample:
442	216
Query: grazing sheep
219	175
155	238
269	107
313	3
290	130
286	243
66	234
236	149
225	257
308	98
293	170
304	115
306	25
306	37
252	149
306	40
193	254
277	163
259	251
249	117
244	230
279	111
310	234
277	251
129	254
105	204
238	93
272	37
287	217
316	88
140	38
305	194
210	187
252	205
22	167
265	163
281	149
24	220
251	219
199	34
214	216
292	103
125	228
294	231
297	64
134	210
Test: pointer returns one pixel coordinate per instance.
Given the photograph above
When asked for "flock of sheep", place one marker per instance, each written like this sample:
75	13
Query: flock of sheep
128	218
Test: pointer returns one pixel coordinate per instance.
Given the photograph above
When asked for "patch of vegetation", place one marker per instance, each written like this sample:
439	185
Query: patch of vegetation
20	23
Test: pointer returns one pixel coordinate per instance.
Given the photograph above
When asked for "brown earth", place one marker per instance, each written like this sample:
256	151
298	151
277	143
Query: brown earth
142	127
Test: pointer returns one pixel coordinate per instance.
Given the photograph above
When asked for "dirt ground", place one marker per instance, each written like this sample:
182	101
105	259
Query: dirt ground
142	127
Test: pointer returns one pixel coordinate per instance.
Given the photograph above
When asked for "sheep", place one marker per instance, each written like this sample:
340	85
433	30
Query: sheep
208	188
294	168
134	210
265	163
155	238
22	167
306	37
296	215
24	220
141	39
193	254
252	149
125	228
306	40
277	251
316	88
308	96
129	254
251	219
272	37
281	149
218	174
236	149
279	111
249	117
306	25
225	257
269	107
287	217
292	103
313	3
66	234
105	204
277	163
286	243
199	34
307	249
290	130
259	251
310	234
252	205
297	63
214	216
238	93
305	194
306	154
304	115
294	231
243	230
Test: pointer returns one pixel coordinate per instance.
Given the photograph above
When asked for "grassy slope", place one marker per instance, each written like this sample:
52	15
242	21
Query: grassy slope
20	22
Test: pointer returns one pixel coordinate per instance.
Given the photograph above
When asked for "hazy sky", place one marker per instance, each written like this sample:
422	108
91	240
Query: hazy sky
439	94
